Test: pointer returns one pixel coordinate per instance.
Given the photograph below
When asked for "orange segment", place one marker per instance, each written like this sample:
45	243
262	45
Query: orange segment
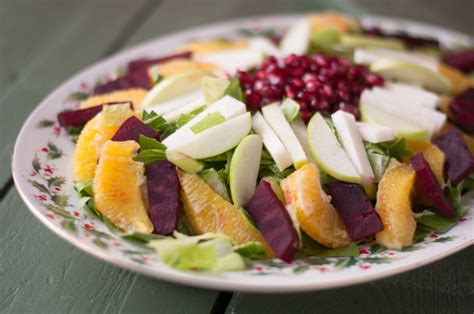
207	211
433	155
95	133
117	182
173	67
317	217
394	207
320	21
459	81
133	95
203	47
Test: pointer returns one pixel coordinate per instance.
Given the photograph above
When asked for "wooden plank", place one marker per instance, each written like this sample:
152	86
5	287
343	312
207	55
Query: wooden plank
42	44
43	274
443	287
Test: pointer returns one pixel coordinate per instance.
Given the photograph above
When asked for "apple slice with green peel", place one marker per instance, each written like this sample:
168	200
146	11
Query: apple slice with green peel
272	143
244	168
297	38
215	140
183	162
227	106
414	95
232	60
369	56
425	118
186	109
276	119
413	74
213	88
265	46
348	132
174	86
372	114
374	133
353	41
328	152
175	103
301	133
215	182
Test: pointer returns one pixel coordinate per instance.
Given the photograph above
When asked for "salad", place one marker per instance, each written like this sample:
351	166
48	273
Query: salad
300	143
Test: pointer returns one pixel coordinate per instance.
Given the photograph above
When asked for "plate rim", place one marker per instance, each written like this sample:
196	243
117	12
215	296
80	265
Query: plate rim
190	279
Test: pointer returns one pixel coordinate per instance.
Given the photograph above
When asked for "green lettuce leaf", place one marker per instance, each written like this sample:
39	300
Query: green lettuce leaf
454	195
234	90
150	150
251	250
436	222
158	123
215	182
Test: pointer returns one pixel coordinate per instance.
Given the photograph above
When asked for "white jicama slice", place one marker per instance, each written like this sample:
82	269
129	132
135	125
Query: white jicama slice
414	95
328	152
301	133
425	118
243	171
227	106
297	38
232	60
349	135
277	121
190	107
215	140
175	103
375	133
265	46
174	86
271	141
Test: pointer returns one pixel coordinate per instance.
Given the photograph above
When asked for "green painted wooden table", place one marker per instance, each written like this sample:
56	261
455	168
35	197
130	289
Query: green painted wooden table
42	43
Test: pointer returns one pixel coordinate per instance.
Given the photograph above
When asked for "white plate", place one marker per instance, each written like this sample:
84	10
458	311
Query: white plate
41	166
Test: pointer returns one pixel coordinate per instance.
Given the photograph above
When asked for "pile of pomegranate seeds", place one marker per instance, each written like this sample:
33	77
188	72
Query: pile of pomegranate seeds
318	83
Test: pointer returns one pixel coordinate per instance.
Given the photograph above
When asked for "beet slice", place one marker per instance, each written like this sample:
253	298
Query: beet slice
355	209
146	63
136	79
427	182
78	117
462	107
460	163
163	196
131	129
462	60
273	220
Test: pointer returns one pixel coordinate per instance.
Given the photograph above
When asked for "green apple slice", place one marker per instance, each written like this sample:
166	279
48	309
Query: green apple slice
185	163
353	41
402	128
413	74
175	103
272	143
227	106
215	140
297	38
186	109
174	86
276	119
301	133
414	95
374	133
265	46
213	88
348	132
422	117
328	152
244	168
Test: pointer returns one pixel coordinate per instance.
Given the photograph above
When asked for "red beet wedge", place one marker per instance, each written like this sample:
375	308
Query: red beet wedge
460	163
426	182
273	221
136	79
462	107
78	117
163	196
462	60
356	211
146	63
131	129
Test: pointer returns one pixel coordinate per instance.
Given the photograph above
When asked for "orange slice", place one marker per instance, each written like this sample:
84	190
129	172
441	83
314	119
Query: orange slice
95	133
133	95
317	217
203	47
177	66
207	211
117	182
394	207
